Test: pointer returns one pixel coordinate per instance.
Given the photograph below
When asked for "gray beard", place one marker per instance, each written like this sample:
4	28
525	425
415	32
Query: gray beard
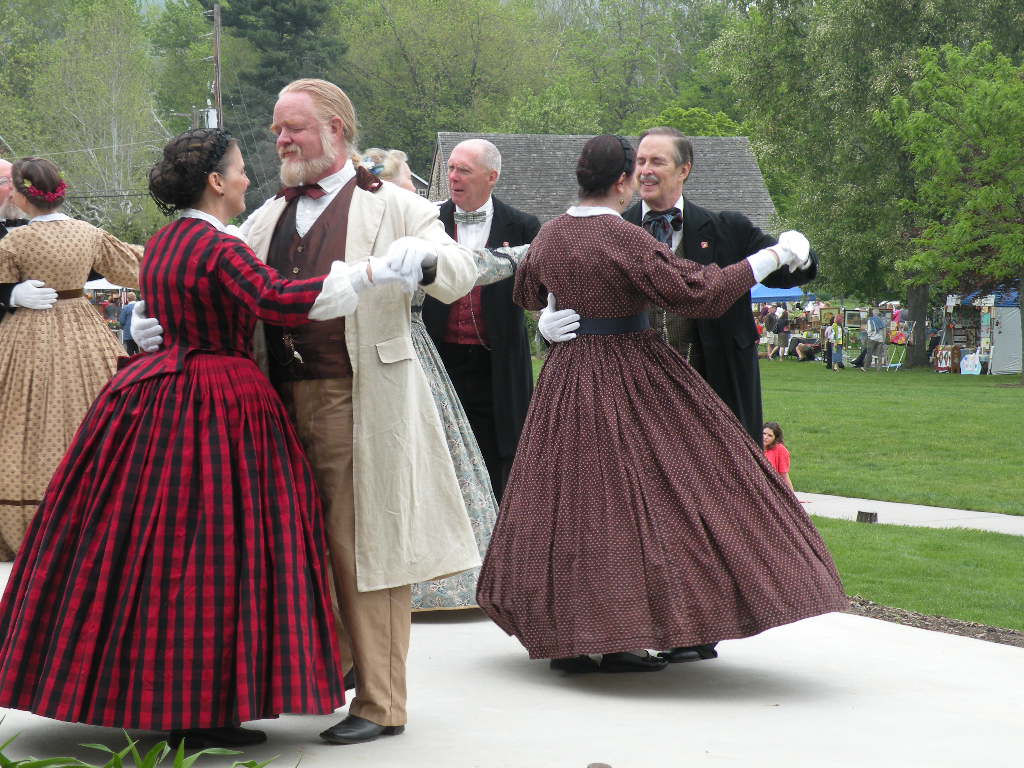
297	172
10	211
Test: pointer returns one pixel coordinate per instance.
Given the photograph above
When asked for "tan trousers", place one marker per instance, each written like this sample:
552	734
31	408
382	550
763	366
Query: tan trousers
374	625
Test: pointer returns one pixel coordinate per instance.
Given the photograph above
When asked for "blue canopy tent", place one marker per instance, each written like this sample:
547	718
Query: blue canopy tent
761	294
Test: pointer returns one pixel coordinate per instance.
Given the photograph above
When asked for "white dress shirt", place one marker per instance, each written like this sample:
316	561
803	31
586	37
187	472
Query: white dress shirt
677	234
474	236
307	209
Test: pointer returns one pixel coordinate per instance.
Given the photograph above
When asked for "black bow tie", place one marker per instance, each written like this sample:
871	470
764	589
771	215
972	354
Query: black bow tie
314	191
662	223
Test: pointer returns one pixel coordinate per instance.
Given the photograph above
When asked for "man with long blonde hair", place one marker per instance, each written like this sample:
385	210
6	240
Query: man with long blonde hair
360	400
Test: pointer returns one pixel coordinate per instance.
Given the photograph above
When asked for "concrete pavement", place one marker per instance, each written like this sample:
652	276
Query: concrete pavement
895	513
835	690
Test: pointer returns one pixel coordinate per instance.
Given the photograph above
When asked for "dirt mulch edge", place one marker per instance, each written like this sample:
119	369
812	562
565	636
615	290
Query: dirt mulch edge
861	606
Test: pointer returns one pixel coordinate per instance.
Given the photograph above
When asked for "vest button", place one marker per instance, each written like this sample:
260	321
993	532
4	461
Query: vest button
299	249
295	270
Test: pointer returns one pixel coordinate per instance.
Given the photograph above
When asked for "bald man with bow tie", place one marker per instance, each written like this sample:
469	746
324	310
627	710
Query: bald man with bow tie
482	337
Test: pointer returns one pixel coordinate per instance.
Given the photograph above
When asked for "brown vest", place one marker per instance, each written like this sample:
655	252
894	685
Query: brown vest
321	345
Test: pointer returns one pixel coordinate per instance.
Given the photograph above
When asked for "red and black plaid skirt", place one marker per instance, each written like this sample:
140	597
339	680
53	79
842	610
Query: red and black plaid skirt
175	575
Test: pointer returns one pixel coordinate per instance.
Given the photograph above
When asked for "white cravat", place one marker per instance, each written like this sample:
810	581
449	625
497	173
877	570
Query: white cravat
308	210
677	234
474	236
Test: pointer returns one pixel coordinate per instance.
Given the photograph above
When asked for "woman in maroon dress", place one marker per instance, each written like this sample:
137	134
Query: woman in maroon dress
174	577
638	513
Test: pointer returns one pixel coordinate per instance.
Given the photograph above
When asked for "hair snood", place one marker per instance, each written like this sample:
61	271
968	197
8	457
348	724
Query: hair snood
602	162
178	180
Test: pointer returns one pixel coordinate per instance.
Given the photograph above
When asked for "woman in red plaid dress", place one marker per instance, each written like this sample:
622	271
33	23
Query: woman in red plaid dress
175	577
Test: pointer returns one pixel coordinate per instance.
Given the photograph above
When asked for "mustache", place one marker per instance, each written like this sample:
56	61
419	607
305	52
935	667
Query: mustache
647	177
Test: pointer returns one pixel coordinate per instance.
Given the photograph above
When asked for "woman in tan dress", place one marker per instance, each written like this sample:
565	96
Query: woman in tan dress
53	362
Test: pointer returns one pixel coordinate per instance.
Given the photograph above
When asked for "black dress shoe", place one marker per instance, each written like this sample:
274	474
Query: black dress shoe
690	653
624	661
203	738
574	665
356	730
350	679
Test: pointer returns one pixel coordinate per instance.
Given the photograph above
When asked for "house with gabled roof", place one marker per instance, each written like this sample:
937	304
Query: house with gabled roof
538	173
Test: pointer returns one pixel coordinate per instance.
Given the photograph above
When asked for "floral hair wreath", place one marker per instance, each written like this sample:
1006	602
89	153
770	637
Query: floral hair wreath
31	190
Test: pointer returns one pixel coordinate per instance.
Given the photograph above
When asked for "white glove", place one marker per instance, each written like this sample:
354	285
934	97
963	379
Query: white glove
378	271
797	243
558	325
409	256
33	294
146	331
340	295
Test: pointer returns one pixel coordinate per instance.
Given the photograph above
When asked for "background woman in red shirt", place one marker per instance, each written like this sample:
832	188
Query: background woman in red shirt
775	450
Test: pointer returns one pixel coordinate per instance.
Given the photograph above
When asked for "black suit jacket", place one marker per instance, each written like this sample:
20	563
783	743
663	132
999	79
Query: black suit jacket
511	369
730	341
5	288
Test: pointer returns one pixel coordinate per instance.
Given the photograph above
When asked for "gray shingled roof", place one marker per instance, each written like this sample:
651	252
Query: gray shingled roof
538	173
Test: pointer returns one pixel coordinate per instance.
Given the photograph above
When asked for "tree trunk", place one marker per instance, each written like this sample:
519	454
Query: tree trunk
917	310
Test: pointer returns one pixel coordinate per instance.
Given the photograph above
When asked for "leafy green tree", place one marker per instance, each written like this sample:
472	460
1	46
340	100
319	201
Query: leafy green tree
180	38
963	126
413	70
556	109
93	111
692	121
808	76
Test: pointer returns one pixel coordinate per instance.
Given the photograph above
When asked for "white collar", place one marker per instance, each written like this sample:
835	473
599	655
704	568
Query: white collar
195	213
581	211
338	179
487	208
644	207
52	216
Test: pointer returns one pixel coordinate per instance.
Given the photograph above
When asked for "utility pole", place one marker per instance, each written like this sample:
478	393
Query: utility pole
217	102
216	119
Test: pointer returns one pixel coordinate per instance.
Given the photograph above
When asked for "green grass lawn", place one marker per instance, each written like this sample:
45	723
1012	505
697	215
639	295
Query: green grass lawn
968	575
913	436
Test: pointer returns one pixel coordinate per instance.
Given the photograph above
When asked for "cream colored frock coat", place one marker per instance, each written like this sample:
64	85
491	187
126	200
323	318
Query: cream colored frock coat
411	522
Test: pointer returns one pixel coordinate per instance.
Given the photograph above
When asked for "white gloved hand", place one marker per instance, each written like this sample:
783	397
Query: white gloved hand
409	256
378	271
33	294
797	243
146	331
557	325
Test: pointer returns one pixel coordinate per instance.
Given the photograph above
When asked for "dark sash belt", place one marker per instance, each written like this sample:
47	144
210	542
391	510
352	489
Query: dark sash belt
70	294
608	326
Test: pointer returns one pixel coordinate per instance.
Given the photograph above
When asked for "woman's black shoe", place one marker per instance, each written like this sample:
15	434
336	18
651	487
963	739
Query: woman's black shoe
575	664
202	738
624	661
690	653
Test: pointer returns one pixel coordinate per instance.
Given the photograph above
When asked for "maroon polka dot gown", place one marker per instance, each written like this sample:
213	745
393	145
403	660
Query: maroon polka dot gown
638	512
175	575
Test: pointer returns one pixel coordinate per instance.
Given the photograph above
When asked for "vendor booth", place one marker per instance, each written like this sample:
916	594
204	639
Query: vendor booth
987	324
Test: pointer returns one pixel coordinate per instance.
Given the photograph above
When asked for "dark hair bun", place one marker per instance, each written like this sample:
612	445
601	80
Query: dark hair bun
603	160
178	180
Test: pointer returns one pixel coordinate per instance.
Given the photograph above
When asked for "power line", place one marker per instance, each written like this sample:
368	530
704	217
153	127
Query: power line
115	193
93	149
